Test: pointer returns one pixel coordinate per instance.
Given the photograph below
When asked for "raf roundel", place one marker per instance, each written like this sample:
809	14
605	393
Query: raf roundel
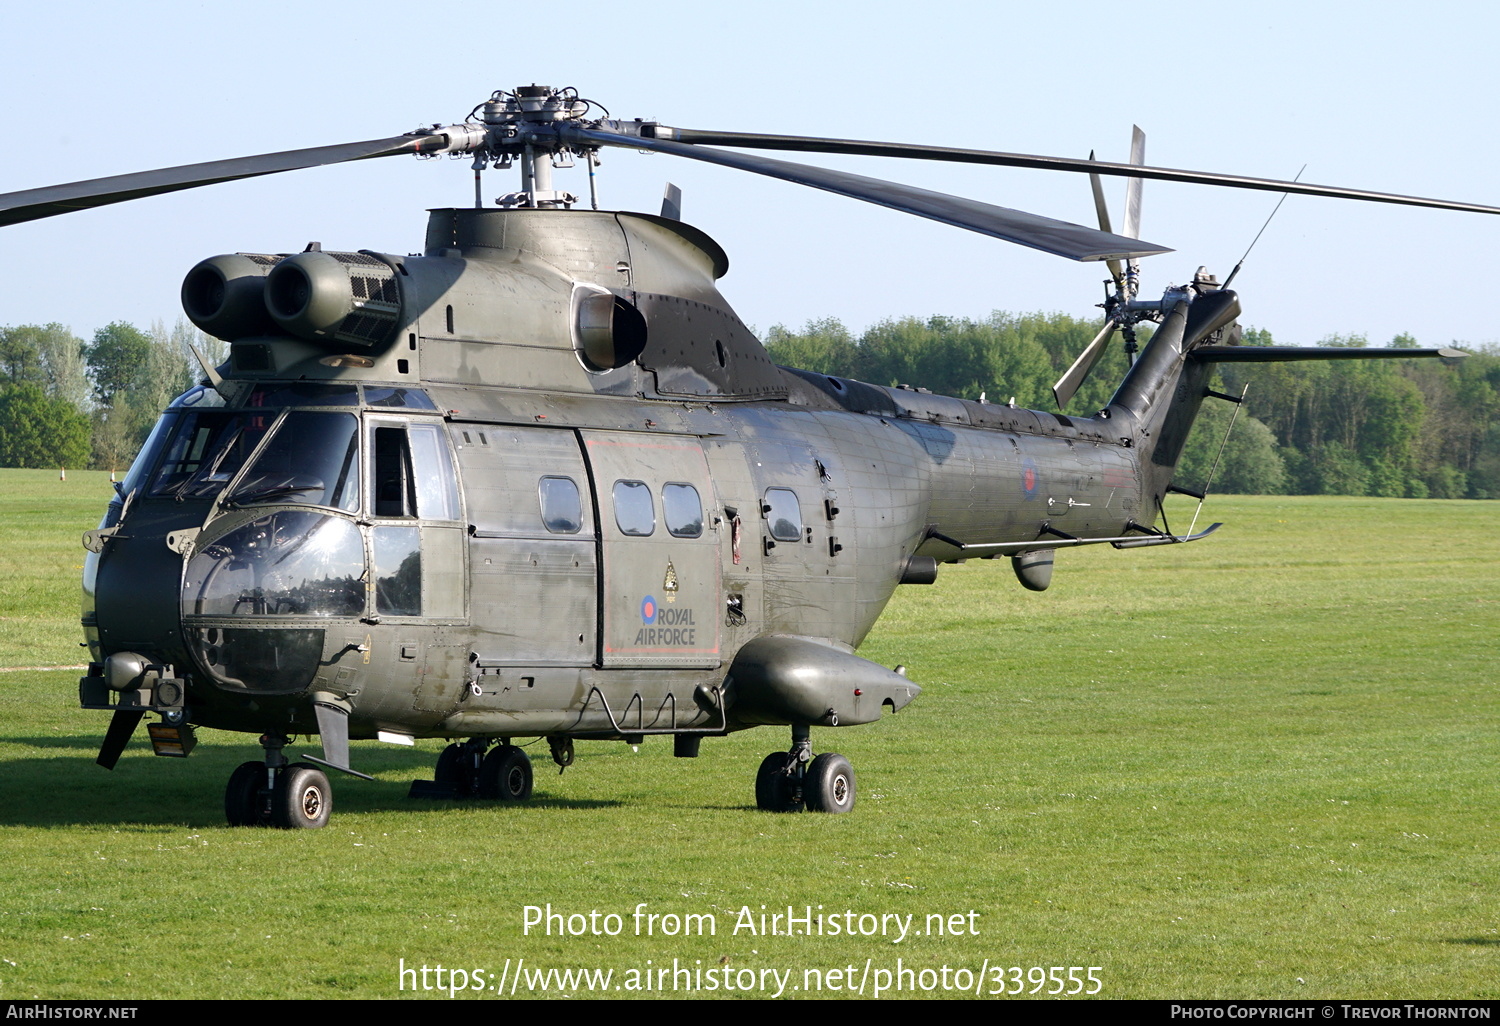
648	609
1030	478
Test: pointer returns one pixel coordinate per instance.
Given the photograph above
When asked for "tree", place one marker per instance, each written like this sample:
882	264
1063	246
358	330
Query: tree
135	376
117	358
1251	463
824	346
50	356
37	430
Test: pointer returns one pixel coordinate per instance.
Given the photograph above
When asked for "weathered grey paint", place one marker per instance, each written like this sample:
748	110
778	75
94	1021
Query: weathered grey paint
597	632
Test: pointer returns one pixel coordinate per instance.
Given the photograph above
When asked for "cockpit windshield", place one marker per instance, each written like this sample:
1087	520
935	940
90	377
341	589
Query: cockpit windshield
312	458
205	450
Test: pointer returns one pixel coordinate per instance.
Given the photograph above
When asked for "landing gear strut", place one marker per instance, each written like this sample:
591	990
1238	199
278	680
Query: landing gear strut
292	796
793	780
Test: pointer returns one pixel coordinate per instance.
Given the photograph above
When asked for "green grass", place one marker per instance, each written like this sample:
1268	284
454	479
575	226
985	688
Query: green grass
42	520
1262	765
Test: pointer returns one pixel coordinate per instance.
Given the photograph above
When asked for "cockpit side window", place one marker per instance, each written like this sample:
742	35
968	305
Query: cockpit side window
395	494
437	490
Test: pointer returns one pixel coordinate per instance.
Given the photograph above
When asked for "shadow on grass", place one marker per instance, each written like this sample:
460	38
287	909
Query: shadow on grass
1478	941
81	744
147	792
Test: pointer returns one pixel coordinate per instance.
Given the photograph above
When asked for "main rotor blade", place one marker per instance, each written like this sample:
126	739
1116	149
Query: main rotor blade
1069	383
1058	237
1101	209
809	144
33	204
1133	188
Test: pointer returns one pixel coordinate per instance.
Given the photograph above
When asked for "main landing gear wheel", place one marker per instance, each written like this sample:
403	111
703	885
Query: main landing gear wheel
243	801
829	784
455	766
776	784
505	774
303	798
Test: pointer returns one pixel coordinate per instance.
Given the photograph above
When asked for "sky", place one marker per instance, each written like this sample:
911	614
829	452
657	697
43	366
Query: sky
1396	101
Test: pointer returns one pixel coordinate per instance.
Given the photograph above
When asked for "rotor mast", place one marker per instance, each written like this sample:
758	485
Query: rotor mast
511	120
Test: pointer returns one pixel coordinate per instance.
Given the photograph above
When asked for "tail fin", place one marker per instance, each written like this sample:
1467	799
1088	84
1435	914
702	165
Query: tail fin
1161	395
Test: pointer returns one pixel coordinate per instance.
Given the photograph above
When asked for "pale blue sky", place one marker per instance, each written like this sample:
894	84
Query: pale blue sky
1375	96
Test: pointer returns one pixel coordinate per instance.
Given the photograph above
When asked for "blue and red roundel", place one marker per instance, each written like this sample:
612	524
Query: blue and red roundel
1031	477
648	609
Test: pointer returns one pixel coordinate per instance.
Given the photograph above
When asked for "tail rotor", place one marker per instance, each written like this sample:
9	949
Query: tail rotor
1120	313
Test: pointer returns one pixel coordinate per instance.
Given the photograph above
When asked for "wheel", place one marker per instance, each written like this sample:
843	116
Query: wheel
451	766
303	798
505	774
242	798
829	784
775	789
455	766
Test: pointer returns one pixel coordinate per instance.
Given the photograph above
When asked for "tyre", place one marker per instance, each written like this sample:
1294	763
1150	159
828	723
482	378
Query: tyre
303	799
775	789
829	785
242	798
505	775
452	766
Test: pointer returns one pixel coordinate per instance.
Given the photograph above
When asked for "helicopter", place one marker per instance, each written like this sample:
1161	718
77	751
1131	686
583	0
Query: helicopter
540	480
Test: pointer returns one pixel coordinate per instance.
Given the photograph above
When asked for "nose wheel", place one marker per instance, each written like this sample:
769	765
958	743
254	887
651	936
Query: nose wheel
303	798
295	796
793	780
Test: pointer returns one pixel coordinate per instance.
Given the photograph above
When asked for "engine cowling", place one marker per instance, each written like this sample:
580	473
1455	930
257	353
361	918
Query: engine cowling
343	299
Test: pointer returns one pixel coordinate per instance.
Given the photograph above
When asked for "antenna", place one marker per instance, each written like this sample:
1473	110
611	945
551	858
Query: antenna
1259	234
1232	418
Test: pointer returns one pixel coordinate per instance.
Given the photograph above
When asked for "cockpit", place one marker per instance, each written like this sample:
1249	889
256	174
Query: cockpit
316	502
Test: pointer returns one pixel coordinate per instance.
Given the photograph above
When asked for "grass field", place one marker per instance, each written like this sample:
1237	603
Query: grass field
1262	765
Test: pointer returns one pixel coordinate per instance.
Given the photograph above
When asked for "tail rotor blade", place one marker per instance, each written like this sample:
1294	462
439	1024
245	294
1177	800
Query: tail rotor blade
1073	379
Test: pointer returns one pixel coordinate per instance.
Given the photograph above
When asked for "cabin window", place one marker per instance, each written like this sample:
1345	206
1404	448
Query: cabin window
562	508
682	510
635	513
783	514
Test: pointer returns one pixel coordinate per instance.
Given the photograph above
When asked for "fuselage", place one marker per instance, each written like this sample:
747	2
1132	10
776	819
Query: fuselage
506	511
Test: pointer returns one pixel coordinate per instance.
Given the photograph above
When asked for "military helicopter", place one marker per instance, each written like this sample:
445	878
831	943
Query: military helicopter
540	481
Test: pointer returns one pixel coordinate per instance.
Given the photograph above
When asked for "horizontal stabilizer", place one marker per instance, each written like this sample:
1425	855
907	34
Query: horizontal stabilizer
1283	354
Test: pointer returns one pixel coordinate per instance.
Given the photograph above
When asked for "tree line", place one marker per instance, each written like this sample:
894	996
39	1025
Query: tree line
1406	428
66	402
1414	428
